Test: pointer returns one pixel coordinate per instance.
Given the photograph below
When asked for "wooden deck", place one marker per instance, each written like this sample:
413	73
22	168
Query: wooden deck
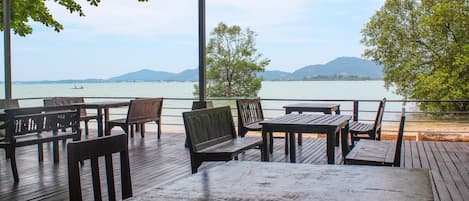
158	162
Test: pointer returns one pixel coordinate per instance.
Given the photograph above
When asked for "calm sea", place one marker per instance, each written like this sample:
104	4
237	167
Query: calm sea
270	89
369	90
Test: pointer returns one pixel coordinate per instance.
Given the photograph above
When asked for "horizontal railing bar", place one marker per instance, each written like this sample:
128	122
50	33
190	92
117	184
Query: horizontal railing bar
178	122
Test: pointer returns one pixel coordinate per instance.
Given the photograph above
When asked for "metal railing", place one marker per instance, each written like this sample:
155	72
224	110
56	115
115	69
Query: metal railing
418	122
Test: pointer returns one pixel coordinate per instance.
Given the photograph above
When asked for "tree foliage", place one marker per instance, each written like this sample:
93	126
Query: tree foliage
22	11
233	62
423	46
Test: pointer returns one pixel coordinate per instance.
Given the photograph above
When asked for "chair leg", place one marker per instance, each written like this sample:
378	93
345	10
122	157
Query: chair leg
40	152
14	169
137	127
55	150
195	164
142	129
159	129
86	128
131	130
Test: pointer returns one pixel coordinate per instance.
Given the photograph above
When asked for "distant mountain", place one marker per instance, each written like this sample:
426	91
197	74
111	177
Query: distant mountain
342	66
187	75
350	68
275	75
143	75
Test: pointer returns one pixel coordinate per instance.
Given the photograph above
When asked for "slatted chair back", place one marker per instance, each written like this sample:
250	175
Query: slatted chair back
378	120
249	112
41	119
57	101
400	136
9	104
144	110
93	149
207	127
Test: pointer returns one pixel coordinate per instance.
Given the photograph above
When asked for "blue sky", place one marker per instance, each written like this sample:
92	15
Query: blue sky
121	36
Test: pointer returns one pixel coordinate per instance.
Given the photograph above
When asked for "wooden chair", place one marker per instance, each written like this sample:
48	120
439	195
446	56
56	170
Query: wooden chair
378	153
140	112
360	130
56	101
93	149
38	125
211	136
249	115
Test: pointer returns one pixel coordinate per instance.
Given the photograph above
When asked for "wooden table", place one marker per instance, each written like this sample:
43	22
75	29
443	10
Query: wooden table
306	123
242	180
326	108
100	106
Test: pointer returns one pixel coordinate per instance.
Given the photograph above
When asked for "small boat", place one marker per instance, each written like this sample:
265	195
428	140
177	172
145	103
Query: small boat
78	87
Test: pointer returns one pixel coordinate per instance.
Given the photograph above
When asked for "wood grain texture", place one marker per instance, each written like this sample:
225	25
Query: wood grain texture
280	181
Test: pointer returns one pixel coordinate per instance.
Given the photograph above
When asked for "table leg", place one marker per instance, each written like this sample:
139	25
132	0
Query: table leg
300	135
265	146
292	147
100	121
344	138
338	131
330	147
271	144
287	139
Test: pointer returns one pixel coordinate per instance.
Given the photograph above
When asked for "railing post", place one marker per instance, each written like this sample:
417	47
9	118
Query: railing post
355	110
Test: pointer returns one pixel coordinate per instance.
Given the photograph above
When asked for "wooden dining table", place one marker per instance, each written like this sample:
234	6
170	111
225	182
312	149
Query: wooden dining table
243	180
103	107
306	123
326	108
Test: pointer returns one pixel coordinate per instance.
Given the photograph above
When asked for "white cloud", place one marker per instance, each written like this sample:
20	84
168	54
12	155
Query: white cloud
129	17
177	17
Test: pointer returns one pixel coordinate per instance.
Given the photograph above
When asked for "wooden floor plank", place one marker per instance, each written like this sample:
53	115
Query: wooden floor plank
455	174
406	155
438	181
446	173
159	162
415	155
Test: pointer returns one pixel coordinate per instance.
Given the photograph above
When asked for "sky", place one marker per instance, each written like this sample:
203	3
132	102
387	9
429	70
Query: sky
121	36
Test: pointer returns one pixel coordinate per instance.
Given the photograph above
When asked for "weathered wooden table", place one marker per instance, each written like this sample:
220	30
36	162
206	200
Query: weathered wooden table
326	108
100	106
306	123
237	180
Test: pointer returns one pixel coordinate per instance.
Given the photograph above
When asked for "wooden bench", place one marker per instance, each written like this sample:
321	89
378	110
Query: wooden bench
212	136
140	112
38	125
378	153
